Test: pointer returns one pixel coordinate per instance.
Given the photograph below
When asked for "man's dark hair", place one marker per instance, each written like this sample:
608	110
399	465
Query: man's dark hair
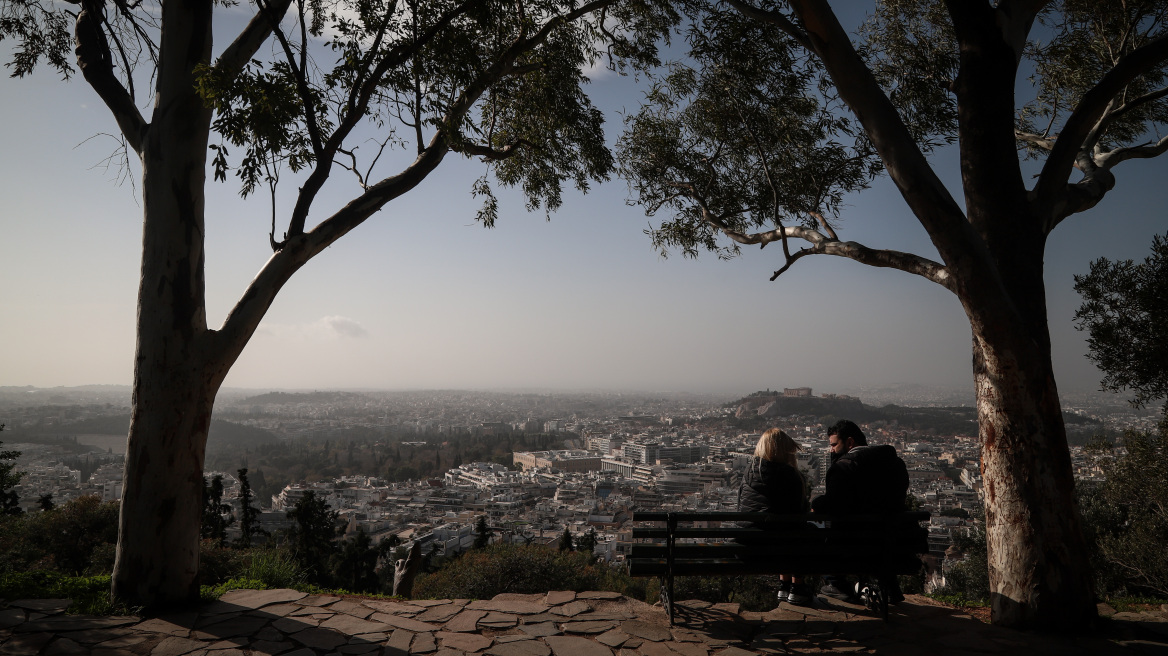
846	428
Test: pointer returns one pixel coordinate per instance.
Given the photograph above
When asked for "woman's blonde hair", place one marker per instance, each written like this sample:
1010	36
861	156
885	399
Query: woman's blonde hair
777	446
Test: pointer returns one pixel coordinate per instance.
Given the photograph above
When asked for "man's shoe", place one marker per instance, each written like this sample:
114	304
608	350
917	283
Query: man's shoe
784	591
835	593
800	595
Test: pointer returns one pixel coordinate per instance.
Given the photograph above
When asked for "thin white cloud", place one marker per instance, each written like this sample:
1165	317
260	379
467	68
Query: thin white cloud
342	326
323	329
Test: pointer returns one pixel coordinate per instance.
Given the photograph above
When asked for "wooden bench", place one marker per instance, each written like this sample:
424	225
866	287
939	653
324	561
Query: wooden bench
871	546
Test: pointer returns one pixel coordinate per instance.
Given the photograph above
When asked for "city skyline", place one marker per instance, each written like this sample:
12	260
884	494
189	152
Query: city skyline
421	297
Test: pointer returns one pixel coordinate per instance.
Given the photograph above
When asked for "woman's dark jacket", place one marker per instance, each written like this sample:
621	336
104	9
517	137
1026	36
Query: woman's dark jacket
772	487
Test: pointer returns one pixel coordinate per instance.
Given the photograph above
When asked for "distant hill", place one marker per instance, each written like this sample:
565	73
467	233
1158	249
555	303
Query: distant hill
763	404
221	435
281	398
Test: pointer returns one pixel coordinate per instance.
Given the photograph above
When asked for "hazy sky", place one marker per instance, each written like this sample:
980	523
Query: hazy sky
423	297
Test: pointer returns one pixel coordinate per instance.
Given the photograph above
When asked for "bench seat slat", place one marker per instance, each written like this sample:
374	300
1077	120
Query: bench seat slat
794	565
761	534
916	516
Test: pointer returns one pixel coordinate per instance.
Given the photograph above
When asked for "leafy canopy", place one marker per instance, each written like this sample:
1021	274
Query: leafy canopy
1125	315
736	139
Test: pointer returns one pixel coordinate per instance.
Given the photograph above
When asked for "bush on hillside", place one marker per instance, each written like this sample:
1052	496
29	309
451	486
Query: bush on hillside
524	569
78	537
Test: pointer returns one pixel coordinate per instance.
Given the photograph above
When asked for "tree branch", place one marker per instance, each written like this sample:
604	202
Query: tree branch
96	64
907	166
248	42
1045	143
492	154
297	250
1145	151
823	245
774	18
397	56
1136	102
1057	169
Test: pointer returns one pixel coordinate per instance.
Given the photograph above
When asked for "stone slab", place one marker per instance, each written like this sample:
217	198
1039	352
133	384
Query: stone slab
438	613
175	646
587	627
271	647
59	623
244	625
351	607
25	644
400	640
557	597
466	621
319	601
10	617
350	625
462	641
540	629
293	624
572	608
646	631
599	594
508	606
574	646
254	599
393	607
65	647
423	643
614	638
404	623
318	638
520	648
42	605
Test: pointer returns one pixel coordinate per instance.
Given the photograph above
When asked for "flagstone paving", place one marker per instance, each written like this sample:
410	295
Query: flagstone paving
558	623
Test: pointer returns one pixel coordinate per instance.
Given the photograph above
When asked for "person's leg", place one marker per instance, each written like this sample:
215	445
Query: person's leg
800	594
784	587
837	586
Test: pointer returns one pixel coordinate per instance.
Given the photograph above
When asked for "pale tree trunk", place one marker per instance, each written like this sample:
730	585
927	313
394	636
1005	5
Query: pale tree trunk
1039	572
176	373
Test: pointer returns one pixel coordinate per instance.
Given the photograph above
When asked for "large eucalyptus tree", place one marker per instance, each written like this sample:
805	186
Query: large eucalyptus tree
295	91
778	113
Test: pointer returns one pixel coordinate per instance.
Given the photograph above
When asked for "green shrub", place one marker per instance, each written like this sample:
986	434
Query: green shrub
276	568
218	564
74	538
90	594
484	573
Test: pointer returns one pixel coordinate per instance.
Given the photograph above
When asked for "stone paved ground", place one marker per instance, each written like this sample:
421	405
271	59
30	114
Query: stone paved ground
290	623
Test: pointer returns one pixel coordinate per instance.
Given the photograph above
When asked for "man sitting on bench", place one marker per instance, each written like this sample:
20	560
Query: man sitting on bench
862	480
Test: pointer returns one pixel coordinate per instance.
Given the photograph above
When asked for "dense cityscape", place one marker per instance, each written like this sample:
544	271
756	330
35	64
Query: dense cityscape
602	456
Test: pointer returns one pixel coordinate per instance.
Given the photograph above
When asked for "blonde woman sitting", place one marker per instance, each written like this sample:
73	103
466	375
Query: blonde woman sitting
772	484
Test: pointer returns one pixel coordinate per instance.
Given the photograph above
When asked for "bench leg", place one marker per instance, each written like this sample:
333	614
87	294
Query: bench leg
667	596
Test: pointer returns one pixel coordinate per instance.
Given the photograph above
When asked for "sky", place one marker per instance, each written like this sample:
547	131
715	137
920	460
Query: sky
422	297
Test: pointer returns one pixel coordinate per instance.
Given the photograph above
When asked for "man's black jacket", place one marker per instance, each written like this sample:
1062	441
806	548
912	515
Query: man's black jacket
867	479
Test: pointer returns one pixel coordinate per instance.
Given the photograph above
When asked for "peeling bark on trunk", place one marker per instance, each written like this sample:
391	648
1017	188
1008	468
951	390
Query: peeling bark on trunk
1039	573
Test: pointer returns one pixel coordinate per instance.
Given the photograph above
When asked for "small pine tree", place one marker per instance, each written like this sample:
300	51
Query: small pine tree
214	522
9	501
248	515
587	542
311	536
482	533
566	540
